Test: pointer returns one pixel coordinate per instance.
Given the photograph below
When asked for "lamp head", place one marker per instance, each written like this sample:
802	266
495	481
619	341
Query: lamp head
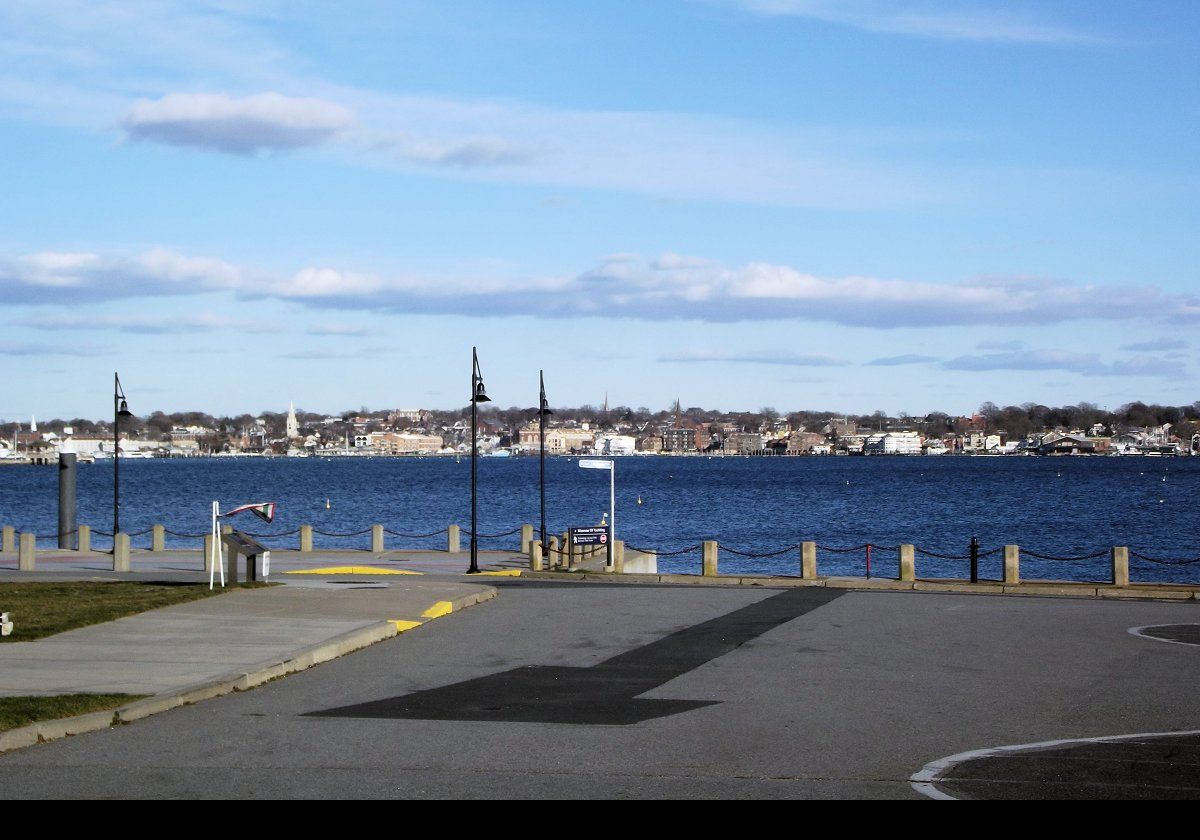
480	394
124	411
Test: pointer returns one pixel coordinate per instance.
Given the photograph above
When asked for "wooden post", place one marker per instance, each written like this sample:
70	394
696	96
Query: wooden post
121	553
526	538
535	556
710	558
808	560
27	553
453	540
306	539
1012	565
1120	565
158	538
85	538
377	539
907	563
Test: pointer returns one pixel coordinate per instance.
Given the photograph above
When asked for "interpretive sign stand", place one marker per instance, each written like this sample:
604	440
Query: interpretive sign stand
605	464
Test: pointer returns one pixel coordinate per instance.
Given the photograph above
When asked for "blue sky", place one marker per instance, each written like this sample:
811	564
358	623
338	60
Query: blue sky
851	205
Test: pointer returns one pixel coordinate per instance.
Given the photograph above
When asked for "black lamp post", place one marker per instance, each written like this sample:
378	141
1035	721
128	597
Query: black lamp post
543	410
478	395
120	409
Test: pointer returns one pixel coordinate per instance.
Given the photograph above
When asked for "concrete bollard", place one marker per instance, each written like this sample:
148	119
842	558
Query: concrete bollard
377	539
226	529
535	556
27	553
1120	565
808	561
208	553
8	539
158	538
1012	564
555	559
85	538
454	539
306	539
121	553
908	567
526	538
618	557
710	558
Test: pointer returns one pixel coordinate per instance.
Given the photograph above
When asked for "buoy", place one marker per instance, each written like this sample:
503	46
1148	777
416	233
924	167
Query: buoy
327	505
639	500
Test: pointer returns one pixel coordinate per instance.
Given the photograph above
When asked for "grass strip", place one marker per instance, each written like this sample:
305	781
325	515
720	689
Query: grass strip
22	711
40	608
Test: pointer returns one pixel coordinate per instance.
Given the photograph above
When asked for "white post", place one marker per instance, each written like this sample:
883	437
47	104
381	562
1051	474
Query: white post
218	548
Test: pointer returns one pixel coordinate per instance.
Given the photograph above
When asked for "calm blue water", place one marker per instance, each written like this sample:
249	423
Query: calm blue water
1055	506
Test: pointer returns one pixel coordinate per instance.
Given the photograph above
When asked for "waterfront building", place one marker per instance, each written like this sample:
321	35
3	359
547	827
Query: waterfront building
679	440
893	443
802	443
651	443
744	443
568	441
611	444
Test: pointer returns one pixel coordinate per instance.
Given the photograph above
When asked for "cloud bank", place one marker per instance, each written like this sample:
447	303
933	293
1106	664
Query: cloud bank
246	126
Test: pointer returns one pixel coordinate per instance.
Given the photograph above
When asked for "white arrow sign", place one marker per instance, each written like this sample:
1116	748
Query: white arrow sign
595	465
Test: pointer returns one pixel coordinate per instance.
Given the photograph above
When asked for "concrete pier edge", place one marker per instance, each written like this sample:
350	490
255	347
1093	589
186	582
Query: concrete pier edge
243	679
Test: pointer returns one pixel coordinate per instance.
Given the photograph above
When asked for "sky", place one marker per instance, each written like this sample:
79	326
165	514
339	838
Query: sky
859	205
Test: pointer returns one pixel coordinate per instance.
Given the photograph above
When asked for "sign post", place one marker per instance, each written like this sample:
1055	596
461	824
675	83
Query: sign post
606	464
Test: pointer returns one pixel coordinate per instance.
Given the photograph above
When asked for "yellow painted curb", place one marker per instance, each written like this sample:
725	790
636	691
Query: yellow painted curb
353	570
402	625
438	610
501	573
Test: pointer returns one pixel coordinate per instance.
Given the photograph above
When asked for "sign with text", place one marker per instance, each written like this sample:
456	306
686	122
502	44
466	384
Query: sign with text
597	535
595	464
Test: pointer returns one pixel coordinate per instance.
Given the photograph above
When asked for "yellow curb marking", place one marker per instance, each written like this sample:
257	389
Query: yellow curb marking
438	610
353	570
503	573
402	625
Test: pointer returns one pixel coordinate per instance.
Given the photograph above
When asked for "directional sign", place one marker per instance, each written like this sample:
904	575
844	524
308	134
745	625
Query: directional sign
597	535
595	464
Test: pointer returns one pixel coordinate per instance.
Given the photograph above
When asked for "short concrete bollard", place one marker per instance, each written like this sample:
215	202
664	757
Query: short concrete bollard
709	556
377	539
8	539
454	539
555	559
208	553
158	538
121	553
27	553
535	556
1120	565
85	538
306	539
1012	565
526	538
907	563
226	529
618	567
808	561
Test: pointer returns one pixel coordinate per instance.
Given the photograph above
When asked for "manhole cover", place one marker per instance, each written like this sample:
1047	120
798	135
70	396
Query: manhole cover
1180	634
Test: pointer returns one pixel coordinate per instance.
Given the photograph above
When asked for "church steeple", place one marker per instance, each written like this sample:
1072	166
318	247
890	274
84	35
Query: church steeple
293	426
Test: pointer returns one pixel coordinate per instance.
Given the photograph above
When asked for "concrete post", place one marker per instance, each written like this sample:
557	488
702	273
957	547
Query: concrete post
208	553
1120	565
618	557
8	539
27	553
555	559
1012	564
808	560
121	552
85	538
377	539
453	537
306	539
158	538
907	563
710	558
231	565
526	538
226	529
535	556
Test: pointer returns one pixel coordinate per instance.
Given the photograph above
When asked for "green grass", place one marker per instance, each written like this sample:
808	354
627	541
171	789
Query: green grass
39	609
21	711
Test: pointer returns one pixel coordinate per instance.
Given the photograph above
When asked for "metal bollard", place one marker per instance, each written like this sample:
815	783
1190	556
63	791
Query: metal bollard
974	560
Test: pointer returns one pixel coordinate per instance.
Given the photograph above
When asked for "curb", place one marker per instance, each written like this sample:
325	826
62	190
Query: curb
1033	588
234	681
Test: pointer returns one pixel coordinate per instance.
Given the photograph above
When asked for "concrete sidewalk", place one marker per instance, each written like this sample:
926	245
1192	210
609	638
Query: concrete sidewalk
230	642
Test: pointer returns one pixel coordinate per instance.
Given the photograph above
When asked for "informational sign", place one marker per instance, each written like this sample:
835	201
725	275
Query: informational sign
595	463
594	535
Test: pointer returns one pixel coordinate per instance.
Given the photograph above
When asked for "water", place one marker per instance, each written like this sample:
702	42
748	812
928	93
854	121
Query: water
1066	507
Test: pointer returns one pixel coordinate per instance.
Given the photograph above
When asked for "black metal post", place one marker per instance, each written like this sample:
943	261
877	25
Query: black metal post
116	459
478	395
974	560
67	528
543	410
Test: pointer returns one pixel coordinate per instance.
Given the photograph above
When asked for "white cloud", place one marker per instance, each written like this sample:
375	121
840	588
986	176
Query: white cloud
263	122
477	153
172	324
971	21
1085	364
761	357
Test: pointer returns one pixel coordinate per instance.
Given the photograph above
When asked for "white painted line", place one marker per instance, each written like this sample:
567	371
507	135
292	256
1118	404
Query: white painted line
1137	631
925	780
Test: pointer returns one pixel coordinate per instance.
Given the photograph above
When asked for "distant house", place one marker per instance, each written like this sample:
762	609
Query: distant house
1057	443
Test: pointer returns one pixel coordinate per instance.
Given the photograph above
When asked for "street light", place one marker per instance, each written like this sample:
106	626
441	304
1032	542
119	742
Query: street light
543	410
478	395
120	409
